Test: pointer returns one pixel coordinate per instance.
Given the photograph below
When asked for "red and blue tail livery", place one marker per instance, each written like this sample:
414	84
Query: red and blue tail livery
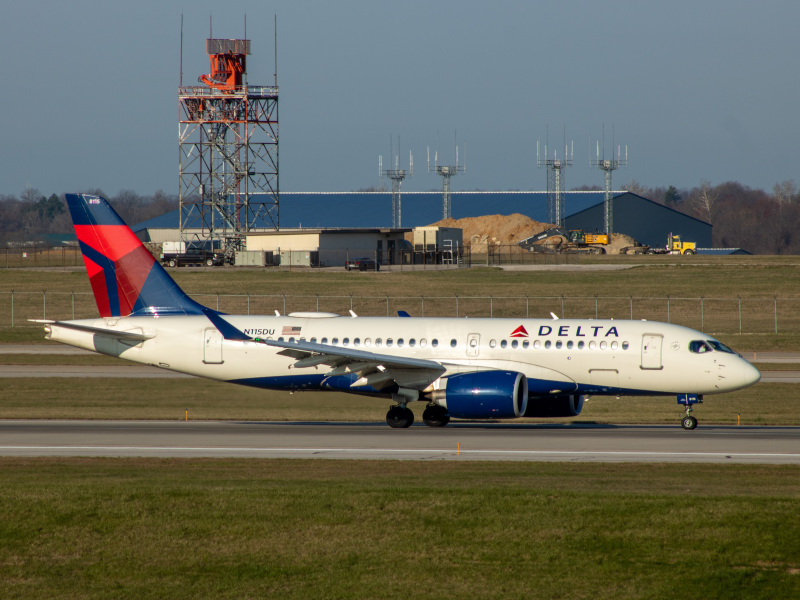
125	277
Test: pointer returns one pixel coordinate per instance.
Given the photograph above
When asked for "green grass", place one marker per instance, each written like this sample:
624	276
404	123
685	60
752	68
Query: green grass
136	528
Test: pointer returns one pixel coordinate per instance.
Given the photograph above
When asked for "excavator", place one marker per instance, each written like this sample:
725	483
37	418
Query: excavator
558	239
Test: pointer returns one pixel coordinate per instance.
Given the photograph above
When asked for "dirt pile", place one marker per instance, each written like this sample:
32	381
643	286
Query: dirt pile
504	230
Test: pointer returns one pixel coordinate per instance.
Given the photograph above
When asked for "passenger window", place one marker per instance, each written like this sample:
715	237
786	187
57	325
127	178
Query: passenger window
335	341
492	343
324	340
525	344
537	344
504	343
614	345
625	345
400	342
367	342
434	342
423	342
548	344
514	343
280	339
378	342
313	340
453	343
412	342
570	344
592	345
473	343
357	342
559	343
603	345
345	341
389	342
581	344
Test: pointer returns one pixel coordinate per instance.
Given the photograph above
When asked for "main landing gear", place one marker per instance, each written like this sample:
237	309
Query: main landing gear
401	417
689	422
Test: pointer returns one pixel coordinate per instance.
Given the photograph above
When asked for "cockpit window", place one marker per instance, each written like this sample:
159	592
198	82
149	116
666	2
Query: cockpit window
720	346
699	347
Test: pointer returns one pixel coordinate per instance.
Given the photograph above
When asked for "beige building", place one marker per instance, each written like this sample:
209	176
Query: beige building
331	247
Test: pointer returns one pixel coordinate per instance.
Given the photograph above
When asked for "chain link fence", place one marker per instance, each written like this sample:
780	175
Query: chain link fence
713	315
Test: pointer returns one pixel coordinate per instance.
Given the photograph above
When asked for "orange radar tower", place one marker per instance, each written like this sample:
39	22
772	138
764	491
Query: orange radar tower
228	143
228	64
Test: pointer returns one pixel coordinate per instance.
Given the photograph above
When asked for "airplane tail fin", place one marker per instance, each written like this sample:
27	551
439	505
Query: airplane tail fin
125	277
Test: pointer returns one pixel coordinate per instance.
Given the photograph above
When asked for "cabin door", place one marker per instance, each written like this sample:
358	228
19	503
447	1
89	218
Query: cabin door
212	347
651	351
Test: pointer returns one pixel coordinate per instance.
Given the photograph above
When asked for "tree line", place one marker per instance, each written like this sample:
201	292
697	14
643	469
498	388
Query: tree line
760	222
31	215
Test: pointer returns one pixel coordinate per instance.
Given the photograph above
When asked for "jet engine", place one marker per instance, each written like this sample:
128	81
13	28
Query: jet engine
555	406
484	395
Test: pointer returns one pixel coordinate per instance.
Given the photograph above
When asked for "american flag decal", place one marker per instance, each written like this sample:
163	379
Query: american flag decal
291	330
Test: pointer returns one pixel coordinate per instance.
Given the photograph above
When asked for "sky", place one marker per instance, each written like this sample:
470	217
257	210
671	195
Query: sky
696	90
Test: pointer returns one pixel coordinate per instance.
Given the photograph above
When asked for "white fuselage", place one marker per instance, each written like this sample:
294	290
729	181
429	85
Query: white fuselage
557	356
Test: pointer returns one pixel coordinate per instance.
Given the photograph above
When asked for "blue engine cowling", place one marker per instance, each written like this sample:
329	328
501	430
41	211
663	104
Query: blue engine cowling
486	395
555	406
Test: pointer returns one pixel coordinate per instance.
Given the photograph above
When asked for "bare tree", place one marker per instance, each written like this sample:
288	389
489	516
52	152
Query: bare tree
705	201
784	193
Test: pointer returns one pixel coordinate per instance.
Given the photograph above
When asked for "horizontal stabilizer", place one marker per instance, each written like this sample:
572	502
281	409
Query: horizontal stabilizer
129	336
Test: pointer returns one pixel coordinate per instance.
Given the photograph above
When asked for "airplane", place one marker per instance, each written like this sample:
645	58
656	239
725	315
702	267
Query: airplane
463	368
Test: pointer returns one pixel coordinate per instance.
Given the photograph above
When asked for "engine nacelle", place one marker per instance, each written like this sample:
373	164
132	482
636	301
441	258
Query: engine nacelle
484	395
555	406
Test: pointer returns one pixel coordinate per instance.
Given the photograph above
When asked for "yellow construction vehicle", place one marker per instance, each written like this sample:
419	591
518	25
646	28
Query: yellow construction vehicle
676	245
563	240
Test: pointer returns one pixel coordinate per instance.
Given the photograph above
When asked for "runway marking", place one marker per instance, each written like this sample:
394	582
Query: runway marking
400	451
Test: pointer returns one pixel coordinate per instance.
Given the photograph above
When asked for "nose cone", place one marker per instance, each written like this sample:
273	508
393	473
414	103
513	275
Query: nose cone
746	375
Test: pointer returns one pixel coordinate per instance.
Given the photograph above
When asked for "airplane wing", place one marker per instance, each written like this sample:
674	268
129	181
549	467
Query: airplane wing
374	369
124	336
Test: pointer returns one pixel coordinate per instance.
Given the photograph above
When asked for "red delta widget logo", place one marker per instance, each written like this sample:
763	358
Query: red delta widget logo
520	332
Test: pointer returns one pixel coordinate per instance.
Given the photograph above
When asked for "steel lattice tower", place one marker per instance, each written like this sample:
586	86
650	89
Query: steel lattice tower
609	166
555	182
228	145
396	175
446	172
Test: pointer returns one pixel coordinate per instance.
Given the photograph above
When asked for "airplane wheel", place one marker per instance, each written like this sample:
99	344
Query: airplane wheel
435	416
689	423
399	417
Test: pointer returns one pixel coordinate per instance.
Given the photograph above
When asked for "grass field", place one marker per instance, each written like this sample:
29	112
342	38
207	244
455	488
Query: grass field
153	528
127	528
741	301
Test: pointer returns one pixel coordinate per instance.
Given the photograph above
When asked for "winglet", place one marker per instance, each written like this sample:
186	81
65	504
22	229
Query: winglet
402	313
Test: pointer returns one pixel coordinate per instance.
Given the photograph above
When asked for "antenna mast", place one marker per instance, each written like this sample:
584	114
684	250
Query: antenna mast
609	166
446	172
555	179
396	175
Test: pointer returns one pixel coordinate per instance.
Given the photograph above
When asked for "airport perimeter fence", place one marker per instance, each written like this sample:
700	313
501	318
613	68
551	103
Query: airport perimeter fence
497	255
713	315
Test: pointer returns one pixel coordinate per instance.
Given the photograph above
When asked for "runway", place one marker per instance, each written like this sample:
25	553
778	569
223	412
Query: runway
459	441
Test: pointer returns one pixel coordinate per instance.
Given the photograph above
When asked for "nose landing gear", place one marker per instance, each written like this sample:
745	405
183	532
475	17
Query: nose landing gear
689	422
